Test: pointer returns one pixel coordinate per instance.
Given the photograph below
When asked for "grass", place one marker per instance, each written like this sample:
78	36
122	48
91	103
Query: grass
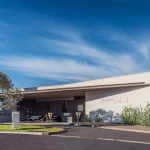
30	128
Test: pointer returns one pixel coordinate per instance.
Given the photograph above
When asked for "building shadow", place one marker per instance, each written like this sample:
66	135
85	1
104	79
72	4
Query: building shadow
105	116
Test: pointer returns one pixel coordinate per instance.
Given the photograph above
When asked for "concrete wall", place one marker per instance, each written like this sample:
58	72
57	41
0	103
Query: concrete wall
109	103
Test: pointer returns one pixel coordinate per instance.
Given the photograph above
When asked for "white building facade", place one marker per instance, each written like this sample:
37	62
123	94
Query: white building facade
105	97
113	100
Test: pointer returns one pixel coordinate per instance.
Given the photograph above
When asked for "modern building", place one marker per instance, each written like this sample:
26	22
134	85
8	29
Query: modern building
104	97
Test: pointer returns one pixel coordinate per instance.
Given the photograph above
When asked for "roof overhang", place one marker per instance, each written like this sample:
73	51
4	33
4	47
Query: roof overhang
75	91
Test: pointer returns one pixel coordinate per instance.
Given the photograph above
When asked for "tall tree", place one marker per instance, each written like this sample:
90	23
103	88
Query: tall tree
9	94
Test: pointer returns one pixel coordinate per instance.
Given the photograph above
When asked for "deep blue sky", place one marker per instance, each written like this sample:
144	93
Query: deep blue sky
46	42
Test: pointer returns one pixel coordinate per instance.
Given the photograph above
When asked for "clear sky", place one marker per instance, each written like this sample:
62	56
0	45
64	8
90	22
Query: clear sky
46	42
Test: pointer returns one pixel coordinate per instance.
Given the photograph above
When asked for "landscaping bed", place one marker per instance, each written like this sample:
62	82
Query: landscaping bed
31	128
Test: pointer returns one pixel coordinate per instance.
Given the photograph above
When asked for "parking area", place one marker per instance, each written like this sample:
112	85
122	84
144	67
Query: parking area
78	138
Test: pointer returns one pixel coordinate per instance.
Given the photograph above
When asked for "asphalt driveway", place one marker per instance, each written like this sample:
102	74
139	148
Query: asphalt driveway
77	139
106	133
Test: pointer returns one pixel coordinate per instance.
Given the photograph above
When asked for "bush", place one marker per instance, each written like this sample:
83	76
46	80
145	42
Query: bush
136	115
97	118
146	115
86	119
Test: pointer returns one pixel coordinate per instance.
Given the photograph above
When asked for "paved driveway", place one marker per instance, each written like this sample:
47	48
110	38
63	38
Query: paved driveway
107	133
78	139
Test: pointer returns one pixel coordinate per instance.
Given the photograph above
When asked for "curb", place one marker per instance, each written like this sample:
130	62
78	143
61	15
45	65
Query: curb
34	133
52	133
129	130
27	133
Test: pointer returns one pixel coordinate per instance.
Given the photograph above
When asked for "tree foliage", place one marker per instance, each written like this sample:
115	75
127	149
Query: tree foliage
9	94
5	82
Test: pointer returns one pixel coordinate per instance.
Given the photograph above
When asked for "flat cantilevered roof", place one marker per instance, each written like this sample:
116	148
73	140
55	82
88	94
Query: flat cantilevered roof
85	88
76	91
135	80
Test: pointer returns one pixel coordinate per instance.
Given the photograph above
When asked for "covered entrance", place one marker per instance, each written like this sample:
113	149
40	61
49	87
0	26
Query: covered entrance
60	103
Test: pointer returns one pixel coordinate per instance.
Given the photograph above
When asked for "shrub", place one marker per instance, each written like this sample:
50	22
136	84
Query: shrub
146	115
98	118
86	119
136	115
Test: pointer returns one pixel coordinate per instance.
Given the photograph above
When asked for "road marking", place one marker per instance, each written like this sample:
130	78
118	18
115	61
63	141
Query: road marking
125	141
104	139
72	136
66	136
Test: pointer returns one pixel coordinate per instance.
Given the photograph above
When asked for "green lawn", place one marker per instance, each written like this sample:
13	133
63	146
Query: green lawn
29	128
